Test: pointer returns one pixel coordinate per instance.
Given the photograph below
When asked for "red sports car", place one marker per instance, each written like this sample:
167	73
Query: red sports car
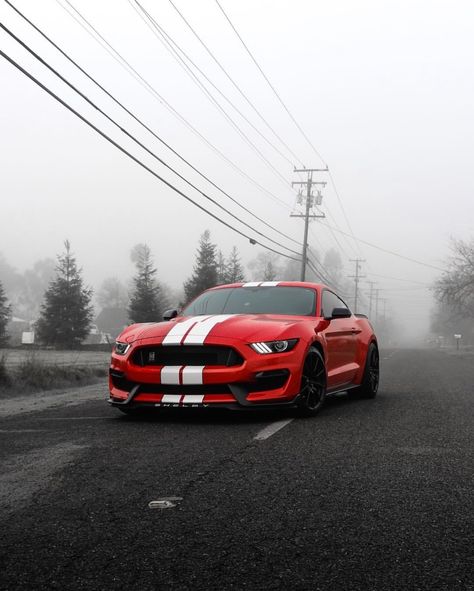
247	346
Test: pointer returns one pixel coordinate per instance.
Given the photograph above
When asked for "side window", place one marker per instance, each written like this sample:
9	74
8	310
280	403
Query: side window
329	302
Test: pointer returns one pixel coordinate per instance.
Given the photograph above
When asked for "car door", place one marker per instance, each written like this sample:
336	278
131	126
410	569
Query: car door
341	342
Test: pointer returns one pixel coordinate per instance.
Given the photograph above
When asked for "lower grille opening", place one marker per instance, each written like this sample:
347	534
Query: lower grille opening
120	382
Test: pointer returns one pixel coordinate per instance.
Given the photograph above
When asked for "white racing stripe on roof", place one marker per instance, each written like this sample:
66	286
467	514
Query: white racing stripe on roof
200	331
269	284
192	375
176	334
252	284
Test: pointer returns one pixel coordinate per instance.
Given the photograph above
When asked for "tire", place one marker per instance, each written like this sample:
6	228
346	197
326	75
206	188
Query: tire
313	384
370	380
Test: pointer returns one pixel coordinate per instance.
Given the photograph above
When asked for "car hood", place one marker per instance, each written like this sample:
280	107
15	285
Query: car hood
197	329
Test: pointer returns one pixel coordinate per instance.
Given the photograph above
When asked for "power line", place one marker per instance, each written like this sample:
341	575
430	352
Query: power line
175	49
132	157
234	84
428	285
280	100
386	250
207	93
163	142
270	84
152	90
129	135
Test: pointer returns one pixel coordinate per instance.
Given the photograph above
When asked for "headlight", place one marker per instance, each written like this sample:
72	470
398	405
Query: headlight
121	348
264	348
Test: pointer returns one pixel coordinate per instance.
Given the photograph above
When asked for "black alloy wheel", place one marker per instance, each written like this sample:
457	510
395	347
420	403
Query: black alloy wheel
370	381
313	384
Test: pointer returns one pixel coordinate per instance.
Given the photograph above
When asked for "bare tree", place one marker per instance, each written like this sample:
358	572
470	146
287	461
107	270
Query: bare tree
455	288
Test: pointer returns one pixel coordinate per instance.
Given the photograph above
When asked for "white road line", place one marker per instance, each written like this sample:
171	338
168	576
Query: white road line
271	429
75	419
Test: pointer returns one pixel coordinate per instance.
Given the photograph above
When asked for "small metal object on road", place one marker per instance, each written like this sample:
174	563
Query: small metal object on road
164	503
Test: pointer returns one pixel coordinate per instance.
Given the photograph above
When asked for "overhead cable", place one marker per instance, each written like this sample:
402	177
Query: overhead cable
100	39
153	27
232	81
280	100
177	51
163	142
134	158
270	84
392	252
129	135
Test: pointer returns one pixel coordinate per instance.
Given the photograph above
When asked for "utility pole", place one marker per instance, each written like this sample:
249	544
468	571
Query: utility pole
356	278
377	297
309	204
371	296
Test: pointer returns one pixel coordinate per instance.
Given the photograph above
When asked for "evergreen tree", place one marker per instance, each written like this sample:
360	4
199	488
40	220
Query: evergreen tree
205	269
221	269
266	267
234	270
5	311
66	313
144	303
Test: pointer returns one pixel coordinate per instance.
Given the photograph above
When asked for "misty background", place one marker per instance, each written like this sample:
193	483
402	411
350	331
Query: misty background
384	91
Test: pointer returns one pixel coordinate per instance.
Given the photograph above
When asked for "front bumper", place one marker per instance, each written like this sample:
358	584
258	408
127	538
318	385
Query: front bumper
259	381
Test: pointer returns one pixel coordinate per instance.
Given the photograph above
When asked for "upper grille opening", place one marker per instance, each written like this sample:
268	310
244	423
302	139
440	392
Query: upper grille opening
187	355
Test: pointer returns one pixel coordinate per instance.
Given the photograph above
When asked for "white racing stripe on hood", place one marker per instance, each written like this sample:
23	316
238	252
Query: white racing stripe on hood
201	330
176	334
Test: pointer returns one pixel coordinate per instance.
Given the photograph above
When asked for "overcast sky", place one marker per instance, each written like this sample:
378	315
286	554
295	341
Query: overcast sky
384	90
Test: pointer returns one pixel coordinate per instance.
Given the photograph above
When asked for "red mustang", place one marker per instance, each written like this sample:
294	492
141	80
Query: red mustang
250	345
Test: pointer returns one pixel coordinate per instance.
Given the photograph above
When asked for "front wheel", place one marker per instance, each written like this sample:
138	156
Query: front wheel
313	384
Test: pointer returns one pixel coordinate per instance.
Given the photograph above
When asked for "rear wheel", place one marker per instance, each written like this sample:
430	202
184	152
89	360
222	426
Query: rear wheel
370	380
313	384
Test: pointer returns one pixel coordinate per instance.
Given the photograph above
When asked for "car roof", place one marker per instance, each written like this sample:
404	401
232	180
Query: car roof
274	284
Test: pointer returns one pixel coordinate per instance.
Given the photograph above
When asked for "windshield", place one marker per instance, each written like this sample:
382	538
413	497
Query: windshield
292	301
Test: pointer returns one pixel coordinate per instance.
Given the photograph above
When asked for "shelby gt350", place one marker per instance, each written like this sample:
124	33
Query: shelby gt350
247	345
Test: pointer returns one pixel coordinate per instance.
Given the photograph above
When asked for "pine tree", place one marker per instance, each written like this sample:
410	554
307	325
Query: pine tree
205	269
66	313
144	303
234	270
5	310
221	266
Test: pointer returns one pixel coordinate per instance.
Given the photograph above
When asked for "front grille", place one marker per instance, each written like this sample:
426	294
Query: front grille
187	355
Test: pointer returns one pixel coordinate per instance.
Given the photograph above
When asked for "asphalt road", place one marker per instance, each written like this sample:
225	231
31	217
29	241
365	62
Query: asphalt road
369	495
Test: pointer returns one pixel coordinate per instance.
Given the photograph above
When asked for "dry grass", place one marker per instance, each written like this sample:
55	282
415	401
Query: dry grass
35	374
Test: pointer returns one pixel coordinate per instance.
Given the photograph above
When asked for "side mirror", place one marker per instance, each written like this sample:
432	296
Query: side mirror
340	313
170	314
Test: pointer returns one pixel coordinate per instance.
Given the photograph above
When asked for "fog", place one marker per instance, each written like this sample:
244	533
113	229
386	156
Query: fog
384	91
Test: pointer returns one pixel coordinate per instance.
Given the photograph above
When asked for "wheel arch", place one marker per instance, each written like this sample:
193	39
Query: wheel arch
319	346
